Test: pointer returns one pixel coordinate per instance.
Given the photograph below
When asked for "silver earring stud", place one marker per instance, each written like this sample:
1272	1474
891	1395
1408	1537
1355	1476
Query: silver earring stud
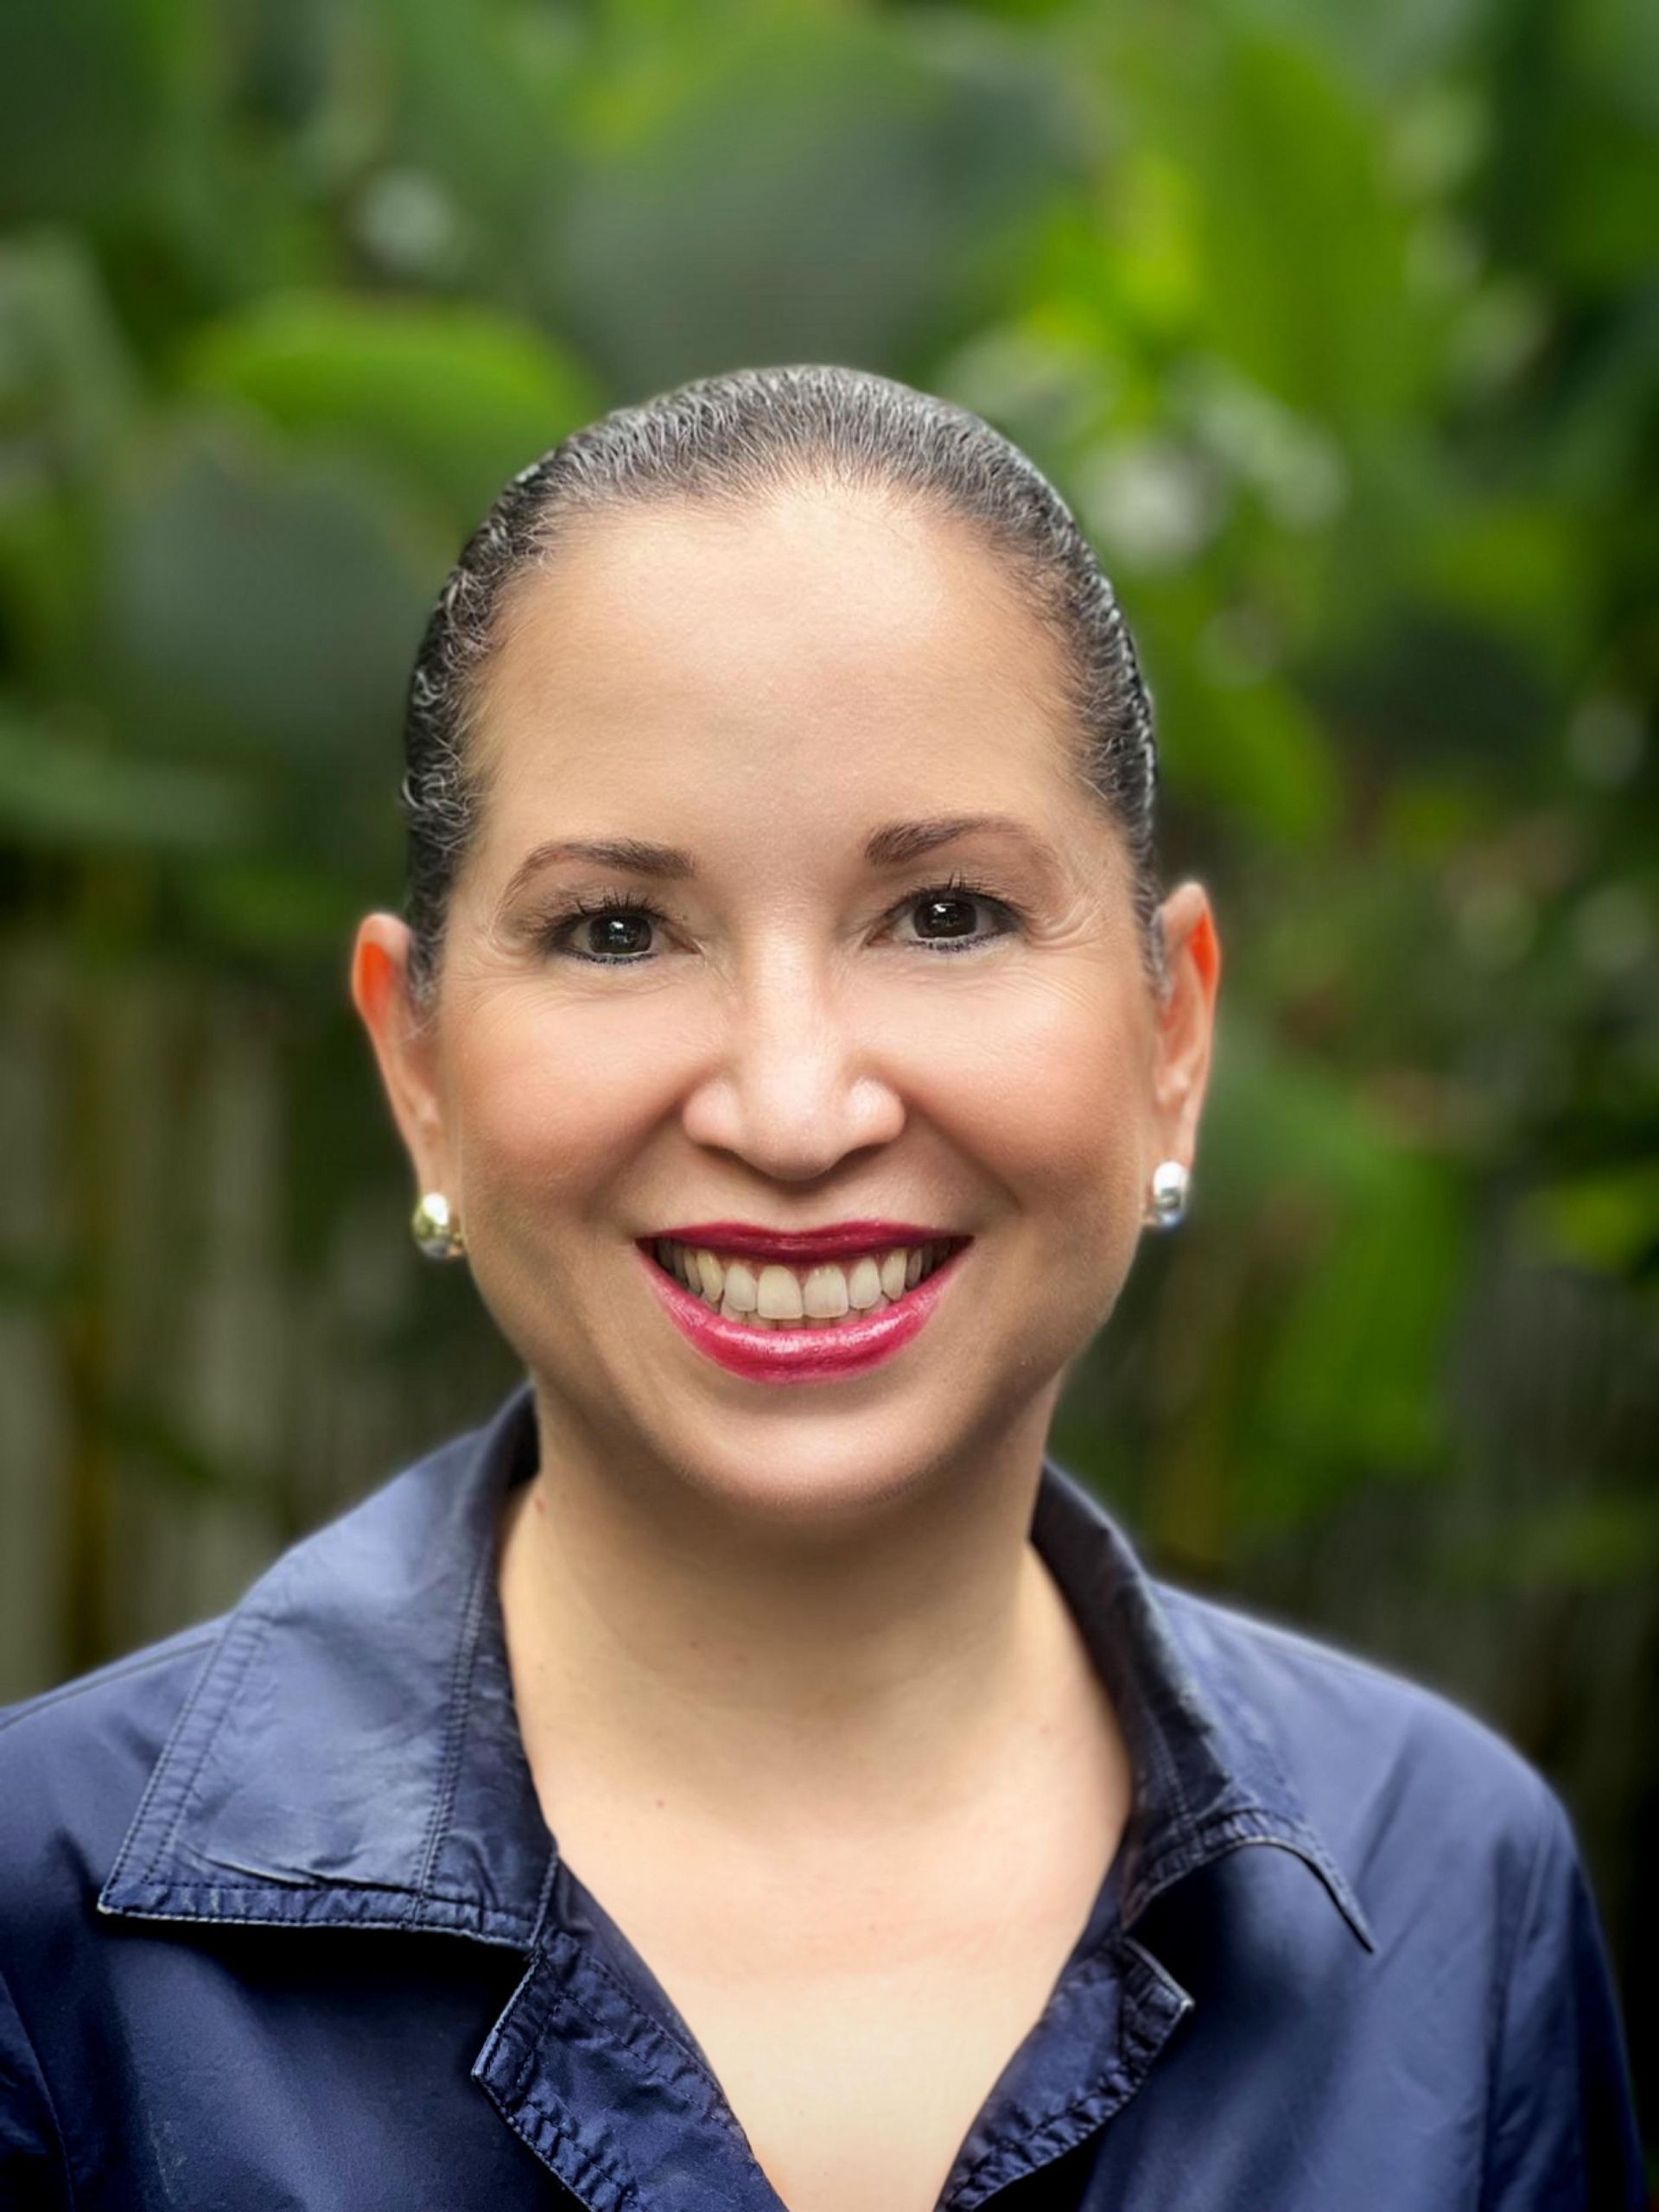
1170	1186
435	1228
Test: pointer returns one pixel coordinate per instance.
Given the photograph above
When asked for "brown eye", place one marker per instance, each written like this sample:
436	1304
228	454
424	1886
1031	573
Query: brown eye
607	935
607	932
947	917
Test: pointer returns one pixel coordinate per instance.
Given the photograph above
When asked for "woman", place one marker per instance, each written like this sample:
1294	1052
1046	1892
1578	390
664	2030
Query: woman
789	1029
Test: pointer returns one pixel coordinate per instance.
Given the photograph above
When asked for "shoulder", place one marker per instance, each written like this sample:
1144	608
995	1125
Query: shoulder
1422	1801
352	1632
75	1762
99	1734
1467	1867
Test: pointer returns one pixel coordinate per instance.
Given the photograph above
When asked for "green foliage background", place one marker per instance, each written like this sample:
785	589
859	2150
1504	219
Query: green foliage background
1339	325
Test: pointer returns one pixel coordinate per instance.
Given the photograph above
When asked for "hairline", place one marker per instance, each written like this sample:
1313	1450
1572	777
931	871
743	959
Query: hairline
586	516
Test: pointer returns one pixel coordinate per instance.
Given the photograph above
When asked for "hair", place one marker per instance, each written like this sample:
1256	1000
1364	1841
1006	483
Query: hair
736	440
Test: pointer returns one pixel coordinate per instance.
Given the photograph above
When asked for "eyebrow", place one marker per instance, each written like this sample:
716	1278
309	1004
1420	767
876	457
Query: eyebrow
891	846
898	841
629	855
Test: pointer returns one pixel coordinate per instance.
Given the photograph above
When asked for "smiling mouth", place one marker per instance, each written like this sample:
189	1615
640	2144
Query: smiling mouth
768	1295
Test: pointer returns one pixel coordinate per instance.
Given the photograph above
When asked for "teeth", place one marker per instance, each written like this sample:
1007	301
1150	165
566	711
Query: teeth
778	1297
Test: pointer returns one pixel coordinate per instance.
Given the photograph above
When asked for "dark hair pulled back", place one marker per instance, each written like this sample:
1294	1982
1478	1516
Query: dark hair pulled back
735	440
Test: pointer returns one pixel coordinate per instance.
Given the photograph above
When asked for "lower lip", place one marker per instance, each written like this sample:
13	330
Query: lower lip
801	1355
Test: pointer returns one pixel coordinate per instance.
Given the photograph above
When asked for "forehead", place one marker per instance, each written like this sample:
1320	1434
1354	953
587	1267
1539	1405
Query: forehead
825	650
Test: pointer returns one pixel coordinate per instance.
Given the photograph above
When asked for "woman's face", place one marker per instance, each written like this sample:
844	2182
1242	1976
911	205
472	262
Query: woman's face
789	1034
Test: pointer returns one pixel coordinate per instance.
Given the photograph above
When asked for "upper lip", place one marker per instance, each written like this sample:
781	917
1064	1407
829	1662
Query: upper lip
838	1240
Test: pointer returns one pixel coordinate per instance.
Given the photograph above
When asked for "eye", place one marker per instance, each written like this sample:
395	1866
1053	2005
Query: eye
616	930
948	909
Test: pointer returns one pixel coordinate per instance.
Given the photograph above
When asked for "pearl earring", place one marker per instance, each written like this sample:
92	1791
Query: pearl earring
435	1228
1170	1184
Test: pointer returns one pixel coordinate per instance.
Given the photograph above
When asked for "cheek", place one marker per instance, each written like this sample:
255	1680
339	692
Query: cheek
547	1103
1046	1084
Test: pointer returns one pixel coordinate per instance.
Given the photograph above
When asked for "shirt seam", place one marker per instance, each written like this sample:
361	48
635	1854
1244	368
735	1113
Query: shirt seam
1027	2125
1094	2102
152	1792
258	1629
1204	1840
194	1892
61	2140
558	2118
591	1963
458	1705
560	2133
1141	1622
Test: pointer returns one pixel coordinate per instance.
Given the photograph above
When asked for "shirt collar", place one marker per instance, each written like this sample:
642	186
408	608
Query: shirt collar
349	1753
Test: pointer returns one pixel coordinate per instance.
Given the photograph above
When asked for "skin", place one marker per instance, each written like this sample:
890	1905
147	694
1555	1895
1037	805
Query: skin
803	1625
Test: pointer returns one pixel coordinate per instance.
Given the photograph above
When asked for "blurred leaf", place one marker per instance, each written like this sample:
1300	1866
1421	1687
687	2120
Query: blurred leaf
266	607
1593	1544
1279	1124
158	1445
1607	412
1365	1244
1250	749
455	398
65	792
66	380
824	187
82	93
478	102
267	908
69	395
1607	1222
1516	569
1354	1379
1303	283
1604	222
1255	750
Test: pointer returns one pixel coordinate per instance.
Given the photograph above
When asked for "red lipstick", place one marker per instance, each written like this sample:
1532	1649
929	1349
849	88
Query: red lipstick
806	1355
839	1240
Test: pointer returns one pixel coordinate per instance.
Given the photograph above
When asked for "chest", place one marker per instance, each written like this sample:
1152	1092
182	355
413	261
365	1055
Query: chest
856	2088
857	2018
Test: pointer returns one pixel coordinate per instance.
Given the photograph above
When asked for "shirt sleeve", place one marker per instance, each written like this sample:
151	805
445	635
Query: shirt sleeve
1563	2135
31	2163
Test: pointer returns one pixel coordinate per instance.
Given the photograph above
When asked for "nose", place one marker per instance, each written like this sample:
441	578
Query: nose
795	1081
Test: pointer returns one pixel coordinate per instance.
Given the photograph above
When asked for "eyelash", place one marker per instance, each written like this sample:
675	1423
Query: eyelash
551	934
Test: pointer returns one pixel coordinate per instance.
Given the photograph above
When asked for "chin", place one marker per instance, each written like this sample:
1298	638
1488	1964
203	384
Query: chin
792	1469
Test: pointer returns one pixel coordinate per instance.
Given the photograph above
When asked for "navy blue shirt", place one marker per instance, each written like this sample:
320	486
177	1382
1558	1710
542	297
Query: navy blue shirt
282	1929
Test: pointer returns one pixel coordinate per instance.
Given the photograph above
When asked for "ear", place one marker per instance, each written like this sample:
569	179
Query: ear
404	1046
1185	1018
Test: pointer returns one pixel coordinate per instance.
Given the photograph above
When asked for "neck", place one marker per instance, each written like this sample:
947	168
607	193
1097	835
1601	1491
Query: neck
657	1637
